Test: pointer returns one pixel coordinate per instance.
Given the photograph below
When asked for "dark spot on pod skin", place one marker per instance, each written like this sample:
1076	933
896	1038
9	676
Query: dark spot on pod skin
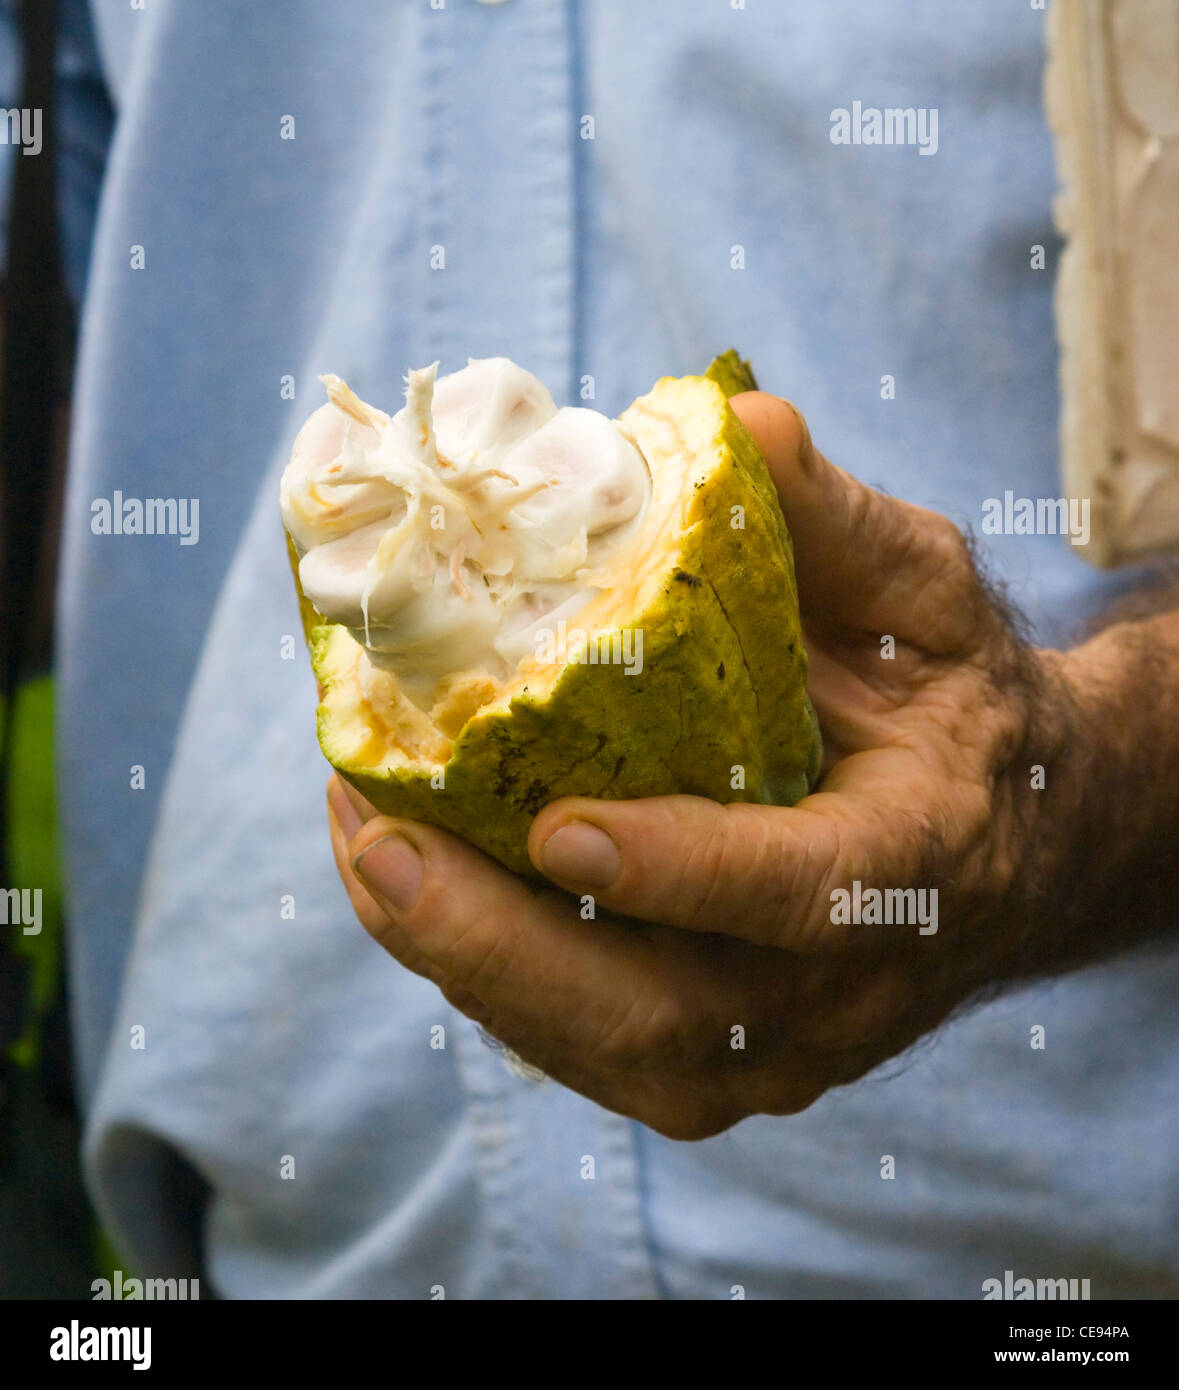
720	672
535	797
618	767
693	581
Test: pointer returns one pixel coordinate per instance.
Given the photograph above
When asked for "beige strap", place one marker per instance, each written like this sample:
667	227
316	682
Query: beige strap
1112	91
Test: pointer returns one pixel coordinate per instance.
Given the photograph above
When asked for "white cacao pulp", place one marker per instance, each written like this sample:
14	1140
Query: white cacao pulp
446	536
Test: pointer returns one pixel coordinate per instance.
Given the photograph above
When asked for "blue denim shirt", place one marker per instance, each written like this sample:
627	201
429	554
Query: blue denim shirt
284	1059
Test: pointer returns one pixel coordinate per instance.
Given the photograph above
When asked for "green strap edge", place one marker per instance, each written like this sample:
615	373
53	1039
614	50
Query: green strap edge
33	860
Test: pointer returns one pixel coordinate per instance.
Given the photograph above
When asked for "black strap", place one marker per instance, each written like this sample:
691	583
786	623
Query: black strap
34	349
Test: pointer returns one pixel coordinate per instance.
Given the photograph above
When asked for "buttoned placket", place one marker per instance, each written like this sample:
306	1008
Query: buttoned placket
559	1177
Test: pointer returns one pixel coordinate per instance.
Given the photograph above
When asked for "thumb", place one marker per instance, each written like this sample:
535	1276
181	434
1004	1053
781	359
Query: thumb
863	560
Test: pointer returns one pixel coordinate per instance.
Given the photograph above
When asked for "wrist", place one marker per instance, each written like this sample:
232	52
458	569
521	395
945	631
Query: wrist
1043	785
1104	811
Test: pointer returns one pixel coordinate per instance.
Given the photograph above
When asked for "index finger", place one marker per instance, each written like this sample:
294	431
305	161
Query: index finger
765	874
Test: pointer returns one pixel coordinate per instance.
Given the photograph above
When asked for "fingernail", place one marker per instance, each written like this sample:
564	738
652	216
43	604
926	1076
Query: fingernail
581	853
393	867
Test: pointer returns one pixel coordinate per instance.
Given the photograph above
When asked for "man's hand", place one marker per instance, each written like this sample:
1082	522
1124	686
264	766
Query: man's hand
713	924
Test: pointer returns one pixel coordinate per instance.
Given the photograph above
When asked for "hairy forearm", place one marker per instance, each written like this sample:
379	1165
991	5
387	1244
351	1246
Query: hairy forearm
1100	874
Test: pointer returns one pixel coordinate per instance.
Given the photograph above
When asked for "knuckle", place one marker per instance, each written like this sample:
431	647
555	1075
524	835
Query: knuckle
691	1121
648	1035
868	511
804	896
479	958
465	1002
701	874
793	1095
868	1013
746	850
947	545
